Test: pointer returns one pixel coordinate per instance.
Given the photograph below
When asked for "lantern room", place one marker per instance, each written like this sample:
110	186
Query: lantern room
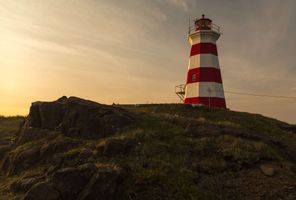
203	23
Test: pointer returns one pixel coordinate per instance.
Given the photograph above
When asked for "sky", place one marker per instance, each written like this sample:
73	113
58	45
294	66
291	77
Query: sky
136	51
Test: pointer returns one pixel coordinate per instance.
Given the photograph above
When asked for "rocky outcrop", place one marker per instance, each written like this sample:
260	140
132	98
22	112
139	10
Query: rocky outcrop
52	136
83	182
44	191
77	117
23	159
70	181
71	149
24	184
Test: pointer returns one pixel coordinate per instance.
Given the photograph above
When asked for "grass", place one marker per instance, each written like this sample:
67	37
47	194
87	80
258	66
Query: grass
170	156
8	125
5	182
182	151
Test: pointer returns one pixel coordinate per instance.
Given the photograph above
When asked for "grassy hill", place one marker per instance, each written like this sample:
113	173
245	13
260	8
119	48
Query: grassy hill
169	151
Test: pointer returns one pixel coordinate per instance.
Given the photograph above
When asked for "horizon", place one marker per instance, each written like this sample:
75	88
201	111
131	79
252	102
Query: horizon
136	52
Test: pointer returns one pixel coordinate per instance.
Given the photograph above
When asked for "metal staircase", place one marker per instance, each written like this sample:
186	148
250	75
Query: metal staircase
180	91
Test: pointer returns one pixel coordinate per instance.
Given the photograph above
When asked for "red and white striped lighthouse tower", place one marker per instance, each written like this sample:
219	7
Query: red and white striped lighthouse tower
204	83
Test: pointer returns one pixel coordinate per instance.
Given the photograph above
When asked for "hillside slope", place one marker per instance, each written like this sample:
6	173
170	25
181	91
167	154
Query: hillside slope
78	149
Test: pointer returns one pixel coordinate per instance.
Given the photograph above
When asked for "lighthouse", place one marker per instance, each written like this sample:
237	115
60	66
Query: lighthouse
204	82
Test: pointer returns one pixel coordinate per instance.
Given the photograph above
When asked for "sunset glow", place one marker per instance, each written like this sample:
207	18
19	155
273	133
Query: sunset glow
136	52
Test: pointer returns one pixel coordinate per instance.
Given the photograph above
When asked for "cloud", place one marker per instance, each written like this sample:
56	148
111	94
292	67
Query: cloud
141	45
181	4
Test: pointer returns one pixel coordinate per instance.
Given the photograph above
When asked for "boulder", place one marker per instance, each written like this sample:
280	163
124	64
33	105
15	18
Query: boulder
47	115
30	133
89	181
21	161
24	184
77	157
16	162
42	191
57	145
106	184
71	181
85	154
79	117
267	170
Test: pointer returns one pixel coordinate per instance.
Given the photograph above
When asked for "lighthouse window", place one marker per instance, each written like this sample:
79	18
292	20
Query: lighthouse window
193	78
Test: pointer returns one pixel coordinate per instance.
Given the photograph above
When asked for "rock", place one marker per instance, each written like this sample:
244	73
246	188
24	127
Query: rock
71	181
31	133
77	157
42	191
267	170
3	150
24	184
79	117
85	154
89	181
113	147
105	184
72	158
57	145
46	115
23	160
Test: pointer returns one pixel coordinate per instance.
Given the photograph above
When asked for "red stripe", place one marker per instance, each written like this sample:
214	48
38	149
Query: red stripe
213	101
204	74
203	48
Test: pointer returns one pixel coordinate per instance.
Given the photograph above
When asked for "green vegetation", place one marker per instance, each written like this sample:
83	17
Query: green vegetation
183	152
8	126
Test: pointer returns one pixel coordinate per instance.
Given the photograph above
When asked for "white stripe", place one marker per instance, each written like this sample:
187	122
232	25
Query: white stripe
204	37
203	60
201	89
